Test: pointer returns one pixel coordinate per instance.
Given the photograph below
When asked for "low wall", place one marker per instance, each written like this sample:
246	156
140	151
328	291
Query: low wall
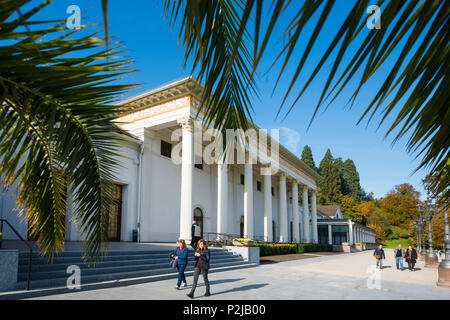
249	254
9	266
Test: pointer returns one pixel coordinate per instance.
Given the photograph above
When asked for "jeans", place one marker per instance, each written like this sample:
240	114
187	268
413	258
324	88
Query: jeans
399	262
205	279
194	242
181	276
380	263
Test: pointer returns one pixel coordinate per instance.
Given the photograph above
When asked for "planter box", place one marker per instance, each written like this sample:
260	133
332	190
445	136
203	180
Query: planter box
358	247
9	266
337	248
249	254
245	243
346	248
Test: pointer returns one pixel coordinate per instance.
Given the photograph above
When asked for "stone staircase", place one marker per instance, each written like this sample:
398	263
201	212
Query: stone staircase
126	267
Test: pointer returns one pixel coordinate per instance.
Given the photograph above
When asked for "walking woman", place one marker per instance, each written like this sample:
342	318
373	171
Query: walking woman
182	259
202	257
411	257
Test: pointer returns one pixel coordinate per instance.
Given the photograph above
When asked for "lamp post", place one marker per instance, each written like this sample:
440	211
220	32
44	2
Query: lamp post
421	224
416	229
431	259
444	266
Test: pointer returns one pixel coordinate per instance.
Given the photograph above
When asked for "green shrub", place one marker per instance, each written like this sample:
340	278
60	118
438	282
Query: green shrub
311	247
268	249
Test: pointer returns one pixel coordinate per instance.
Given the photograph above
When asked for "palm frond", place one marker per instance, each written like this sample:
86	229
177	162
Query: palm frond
57	128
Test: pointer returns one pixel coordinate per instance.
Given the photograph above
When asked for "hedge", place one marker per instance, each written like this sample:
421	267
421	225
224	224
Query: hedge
268	249
311	247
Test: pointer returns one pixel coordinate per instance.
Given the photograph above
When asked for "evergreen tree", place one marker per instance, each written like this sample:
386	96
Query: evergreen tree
331	182
351	178
307	158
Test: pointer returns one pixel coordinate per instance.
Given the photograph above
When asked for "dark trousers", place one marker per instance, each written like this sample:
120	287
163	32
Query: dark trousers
194	242
181	276
205	279
411	265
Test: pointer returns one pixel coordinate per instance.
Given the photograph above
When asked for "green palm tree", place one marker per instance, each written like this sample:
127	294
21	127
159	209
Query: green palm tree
57	127
226	40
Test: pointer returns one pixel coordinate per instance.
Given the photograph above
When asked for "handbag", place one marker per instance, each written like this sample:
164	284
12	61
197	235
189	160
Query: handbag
378	256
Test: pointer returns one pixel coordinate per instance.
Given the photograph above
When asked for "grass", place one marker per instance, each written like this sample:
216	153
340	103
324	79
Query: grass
394	243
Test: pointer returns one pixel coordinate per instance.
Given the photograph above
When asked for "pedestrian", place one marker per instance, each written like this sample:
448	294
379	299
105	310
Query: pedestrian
379	255
399	253
411	257
196	234
202	257
181	253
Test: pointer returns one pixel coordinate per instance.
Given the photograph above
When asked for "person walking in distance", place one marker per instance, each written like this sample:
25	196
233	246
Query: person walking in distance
399	253
196	234
202	257
411	257
379	256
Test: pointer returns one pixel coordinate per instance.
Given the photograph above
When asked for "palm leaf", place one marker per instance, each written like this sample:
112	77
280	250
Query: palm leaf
57	130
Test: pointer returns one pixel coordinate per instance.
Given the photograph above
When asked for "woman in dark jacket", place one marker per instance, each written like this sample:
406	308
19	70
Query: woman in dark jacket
202	257
411	257
182	258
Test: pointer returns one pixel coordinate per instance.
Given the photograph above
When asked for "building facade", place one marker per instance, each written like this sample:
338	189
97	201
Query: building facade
334	229
159	198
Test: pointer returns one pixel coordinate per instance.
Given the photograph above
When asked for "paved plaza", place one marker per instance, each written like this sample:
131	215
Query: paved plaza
343	276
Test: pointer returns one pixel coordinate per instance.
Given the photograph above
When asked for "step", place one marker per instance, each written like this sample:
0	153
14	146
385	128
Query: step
57	282
48	274
126	281
78	259
63	266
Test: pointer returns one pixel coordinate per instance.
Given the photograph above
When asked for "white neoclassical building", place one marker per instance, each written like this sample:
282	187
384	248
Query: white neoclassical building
160	198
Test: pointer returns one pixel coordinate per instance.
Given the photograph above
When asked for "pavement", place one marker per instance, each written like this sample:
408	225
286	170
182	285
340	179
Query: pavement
346	276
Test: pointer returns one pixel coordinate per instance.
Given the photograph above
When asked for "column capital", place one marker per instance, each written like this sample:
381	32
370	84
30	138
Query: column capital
305	188
187	123
283	176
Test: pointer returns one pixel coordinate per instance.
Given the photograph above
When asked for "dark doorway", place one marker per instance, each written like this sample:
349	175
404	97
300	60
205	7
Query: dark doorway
273	231
291	238
198	217
241	227
115	214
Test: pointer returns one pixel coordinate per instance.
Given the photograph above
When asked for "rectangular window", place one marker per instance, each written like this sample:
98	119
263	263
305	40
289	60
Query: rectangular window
166	149
242	179
258	185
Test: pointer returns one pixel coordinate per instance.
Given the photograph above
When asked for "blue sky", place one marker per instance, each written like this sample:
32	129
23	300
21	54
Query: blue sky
153	46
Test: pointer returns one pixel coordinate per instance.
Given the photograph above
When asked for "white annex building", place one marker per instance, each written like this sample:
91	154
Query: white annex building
159	198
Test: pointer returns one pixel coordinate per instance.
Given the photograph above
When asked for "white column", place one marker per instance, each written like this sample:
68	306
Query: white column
305	215
295	220
268	236
248	201
283	209
222	197
330	234
187	171
315	236
350	232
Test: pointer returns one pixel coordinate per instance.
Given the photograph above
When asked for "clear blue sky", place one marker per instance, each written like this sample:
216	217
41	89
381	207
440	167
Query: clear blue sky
158	57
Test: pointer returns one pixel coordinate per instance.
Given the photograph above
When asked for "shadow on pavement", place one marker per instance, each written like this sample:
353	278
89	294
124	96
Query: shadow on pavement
214	282
243	288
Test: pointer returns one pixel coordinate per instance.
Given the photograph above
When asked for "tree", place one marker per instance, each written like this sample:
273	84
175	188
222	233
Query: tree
57	125
226	41
307	158
400	205
348	208
351	178
330	185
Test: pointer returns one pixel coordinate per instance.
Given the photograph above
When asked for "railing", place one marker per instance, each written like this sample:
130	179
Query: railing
26	243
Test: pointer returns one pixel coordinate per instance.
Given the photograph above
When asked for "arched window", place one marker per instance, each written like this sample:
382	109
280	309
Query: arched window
198	216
